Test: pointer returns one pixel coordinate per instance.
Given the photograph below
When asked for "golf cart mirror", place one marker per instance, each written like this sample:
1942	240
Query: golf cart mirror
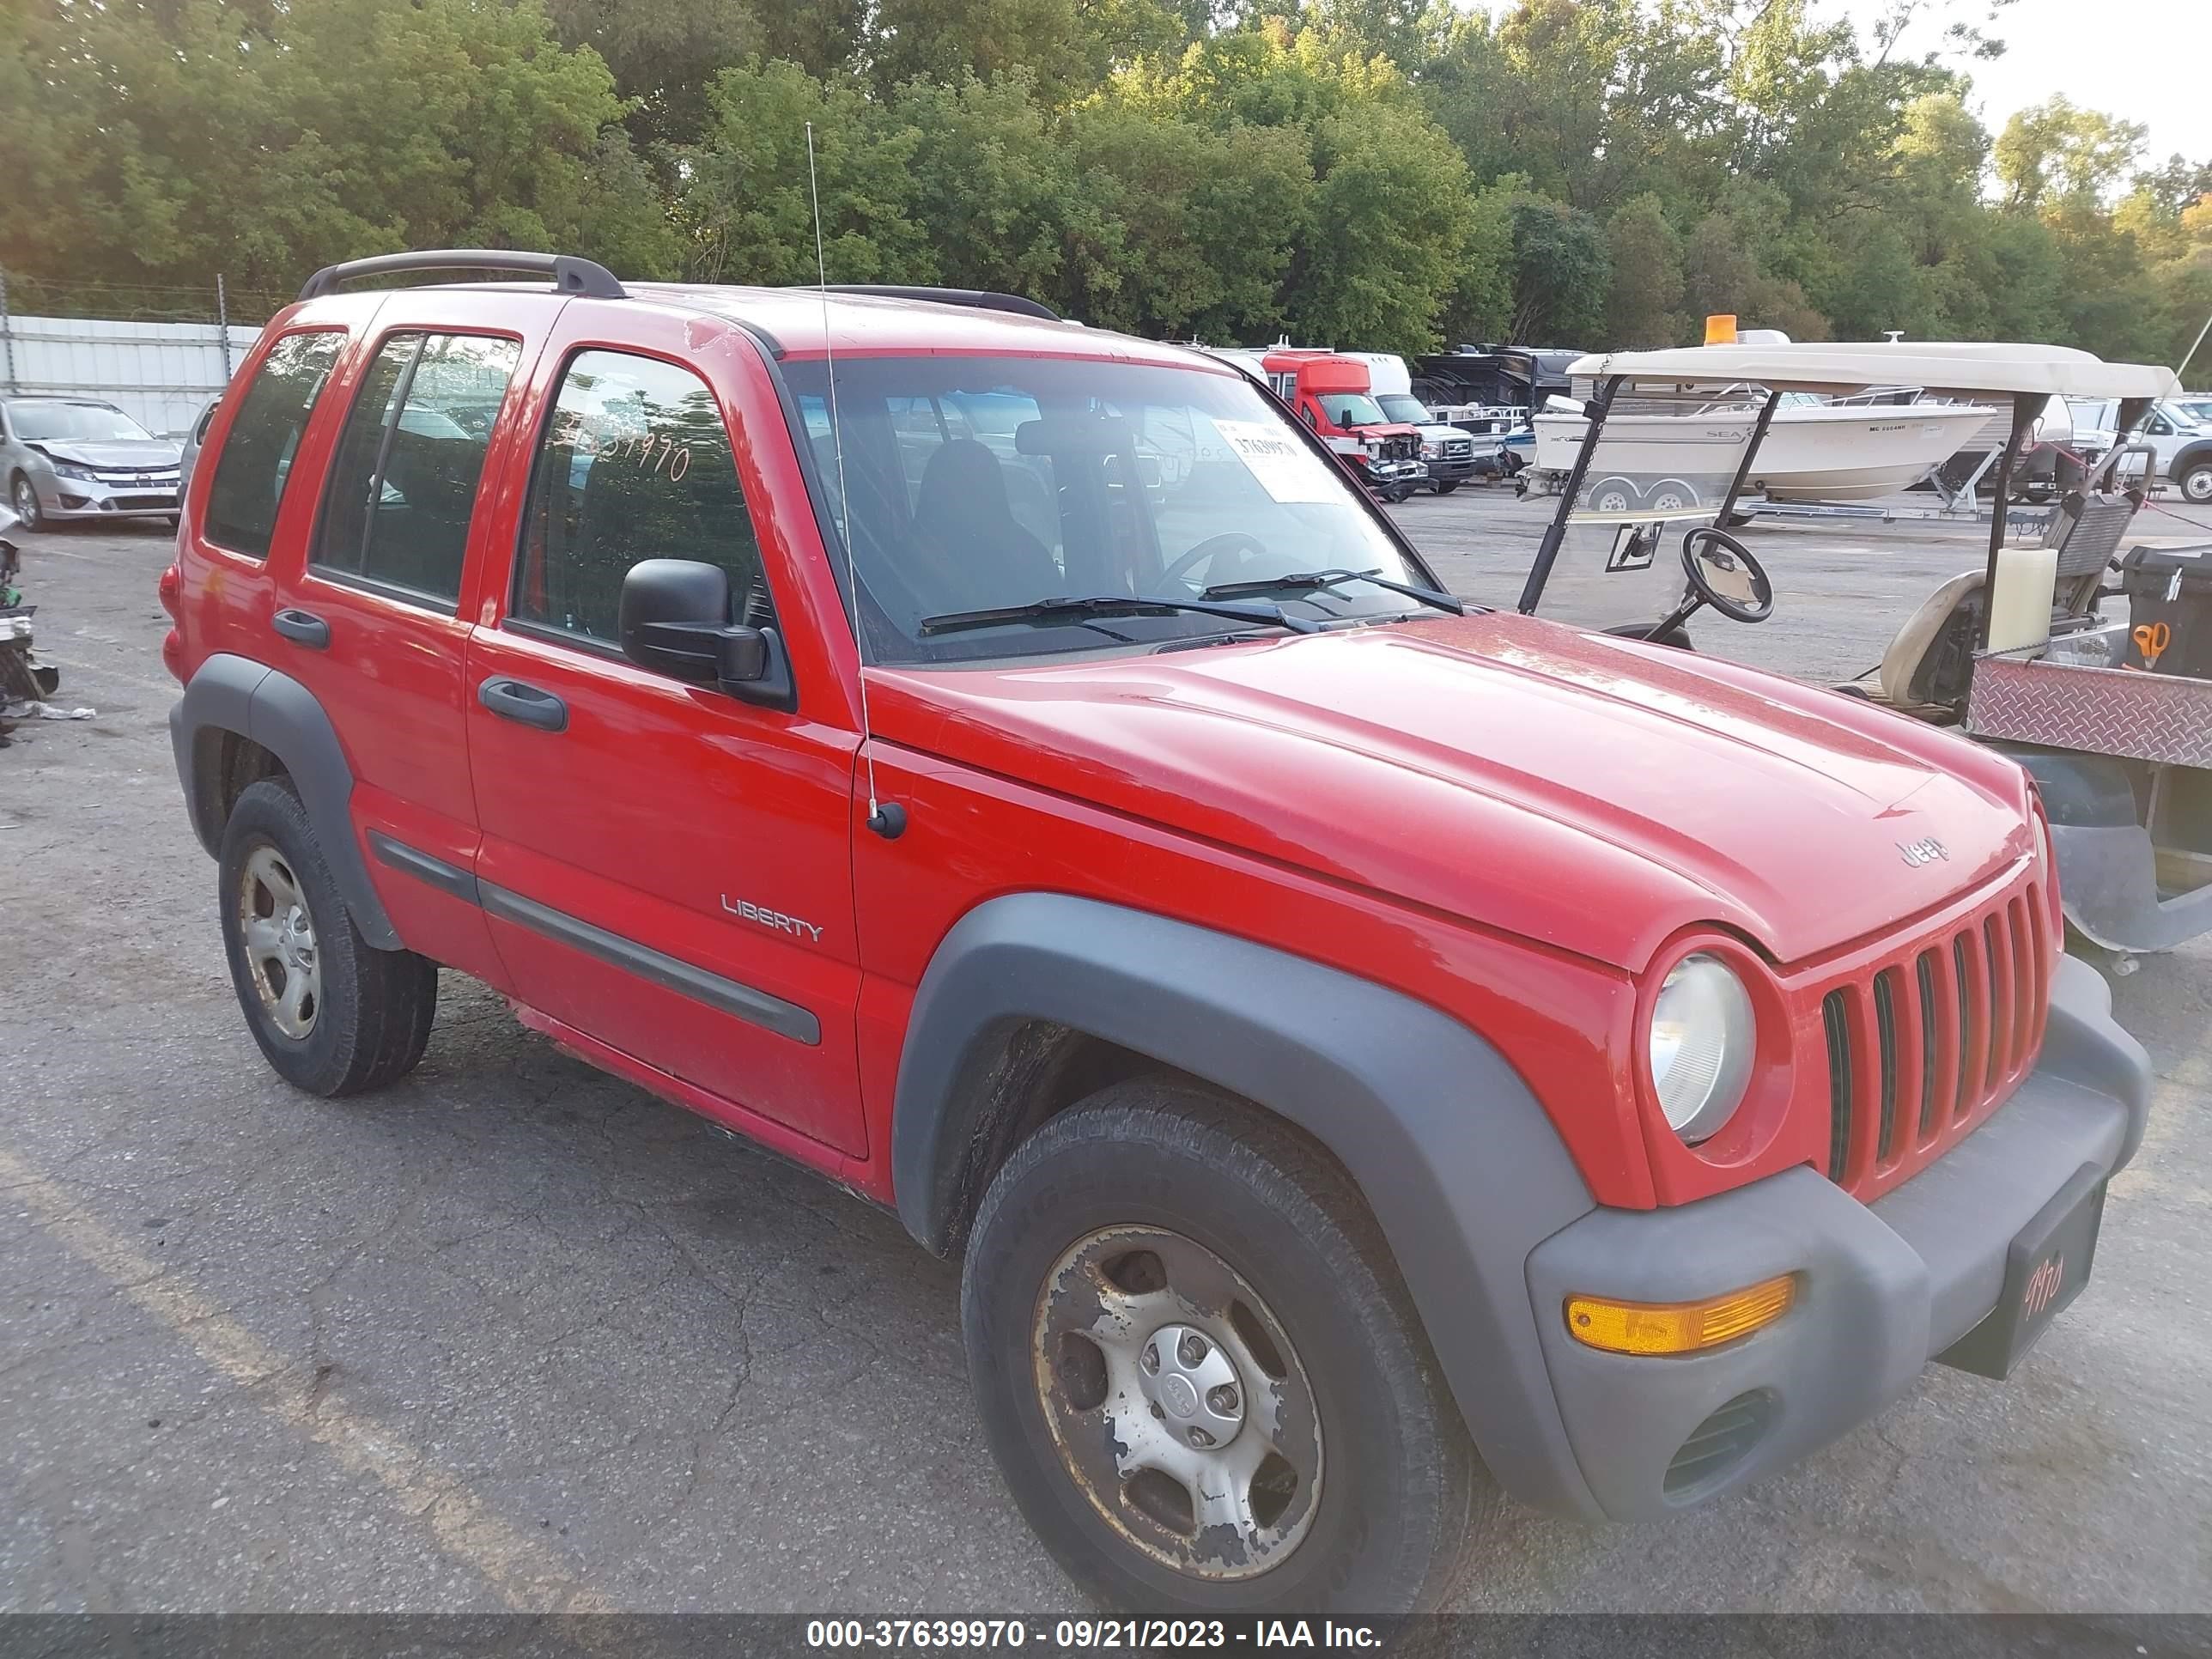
1725	576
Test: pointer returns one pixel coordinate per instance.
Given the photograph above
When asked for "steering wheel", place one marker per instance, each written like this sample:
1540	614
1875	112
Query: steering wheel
1211	548
1724	575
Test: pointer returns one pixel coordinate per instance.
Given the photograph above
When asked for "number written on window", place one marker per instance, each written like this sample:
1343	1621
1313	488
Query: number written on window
635	465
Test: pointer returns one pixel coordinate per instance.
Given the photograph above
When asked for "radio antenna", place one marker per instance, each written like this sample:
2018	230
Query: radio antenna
886	821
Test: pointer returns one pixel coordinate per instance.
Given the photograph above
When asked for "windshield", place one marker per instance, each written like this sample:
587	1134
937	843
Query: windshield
978	482
38	423
1403	406
1351	409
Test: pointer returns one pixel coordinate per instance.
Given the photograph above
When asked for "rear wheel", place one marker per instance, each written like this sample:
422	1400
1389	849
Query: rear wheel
1199	1373
333	1014
24	496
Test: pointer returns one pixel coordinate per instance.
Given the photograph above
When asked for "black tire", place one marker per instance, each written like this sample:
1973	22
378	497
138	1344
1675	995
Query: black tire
1445	486
1389	1528
371	1019
2195	482
24	496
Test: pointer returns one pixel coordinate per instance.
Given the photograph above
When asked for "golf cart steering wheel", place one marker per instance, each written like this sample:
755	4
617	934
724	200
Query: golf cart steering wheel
1724	575
1212	548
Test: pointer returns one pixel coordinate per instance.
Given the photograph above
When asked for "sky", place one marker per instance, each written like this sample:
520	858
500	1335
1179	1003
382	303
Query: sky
2142	60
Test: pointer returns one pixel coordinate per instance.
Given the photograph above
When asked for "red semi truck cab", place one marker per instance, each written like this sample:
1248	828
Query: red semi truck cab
1356	1045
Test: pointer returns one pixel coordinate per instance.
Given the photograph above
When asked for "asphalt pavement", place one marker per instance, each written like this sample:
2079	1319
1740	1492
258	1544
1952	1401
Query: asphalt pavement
517	1335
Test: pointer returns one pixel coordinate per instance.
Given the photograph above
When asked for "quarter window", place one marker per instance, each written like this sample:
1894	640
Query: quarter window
635	463
404	481
256	456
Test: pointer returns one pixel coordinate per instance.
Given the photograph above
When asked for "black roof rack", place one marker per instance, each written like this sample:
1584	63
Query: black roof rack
570	275
980	299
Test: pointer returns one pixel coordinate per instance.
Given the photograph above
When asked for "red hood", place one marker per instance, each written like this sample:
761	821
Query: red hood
1593	793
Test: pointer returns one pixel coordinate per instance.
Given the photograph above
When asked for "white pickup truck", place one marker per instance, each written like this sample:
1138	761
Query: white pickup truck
2184	446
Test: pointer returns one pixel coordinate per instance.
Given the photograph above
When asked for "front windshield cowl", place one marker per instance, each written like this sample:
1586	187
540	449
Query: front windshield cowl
981	485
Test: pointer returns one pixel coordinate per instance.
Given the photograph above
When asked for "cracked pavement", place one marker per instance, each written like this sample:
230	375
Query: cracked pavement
515	1333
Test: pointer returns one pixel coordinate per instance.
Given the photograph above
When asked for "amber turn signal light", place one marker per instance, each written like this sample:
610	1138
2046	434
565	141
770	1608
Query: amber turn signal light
1676	1327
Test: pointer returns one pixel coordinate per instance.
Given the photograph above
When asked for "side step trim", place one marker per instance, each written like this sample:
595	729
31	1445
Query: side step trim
730	996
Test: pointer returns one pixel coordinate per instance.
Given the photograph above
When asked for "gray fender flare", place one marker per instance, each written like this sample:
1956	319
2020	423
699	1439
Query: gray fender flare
1458	1162
254	701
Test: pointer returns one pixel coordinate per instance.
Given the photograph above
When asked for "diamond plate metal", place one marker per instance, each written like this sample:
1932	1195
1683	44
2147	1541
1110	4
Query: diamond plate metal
2101	711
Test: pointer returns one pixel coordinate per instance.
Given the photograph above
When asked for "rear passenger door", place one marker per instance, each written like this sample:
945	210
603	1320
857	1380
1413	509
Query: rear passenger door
372	619
667	871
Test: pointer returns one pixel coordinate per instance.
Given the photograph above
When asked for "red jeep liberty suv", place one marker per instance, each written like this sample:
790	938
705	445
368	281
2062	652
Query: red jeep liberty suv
1354	1040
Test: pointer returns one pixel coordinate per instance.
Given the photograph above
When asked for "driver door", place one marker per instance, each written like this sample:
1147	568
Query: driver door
667	871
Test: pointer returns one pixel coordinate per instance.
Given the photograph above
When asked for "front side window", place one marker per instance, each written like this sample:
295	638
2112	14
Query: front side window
635	463
1351	409
973	484
404	481
256	455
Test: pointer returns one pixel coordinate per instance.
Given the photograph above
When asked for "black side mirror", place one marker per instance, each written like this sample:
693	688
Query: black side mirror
675	620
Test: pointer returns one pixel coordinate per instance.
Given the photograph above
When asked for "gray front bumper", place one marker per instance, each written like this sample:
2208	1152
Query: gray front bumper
1881	1289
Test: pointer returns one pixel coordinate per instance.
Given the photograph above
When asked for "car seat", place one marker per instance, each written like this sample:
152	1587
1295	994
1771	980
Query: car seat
978	554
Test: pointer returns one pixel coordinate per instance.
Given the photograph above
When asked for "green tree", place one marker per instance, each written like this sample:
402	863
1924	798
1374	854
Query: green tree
746	201
2055	157
1643	306
1561	273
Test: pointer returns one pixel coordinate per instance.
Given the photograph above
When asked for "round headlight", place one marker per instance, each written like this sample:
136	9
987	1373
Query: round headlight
1703	1035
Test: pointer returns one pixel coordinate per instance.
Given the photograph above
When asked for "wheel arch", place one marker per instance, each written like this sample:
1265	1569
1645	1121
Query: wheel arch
2189	456
234	712
1451	1152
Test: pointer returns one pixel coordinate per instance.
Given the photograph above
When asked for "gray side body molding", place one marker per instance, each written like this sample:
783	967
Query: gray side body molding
252	700
1456	1158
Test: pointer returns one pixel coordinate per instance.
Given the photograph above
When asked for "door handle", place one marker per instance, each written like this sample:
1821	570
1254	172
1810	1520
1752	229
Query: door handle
304	628
511	700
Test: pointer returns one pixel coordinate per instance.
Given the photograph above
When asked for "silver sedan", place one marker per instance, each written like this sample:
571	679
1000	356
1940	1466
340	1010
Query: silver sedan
77	458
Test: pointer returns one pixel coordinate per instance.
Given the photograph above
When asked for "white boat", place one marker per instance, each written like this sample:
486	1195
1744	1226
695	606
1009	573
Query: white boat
1813	452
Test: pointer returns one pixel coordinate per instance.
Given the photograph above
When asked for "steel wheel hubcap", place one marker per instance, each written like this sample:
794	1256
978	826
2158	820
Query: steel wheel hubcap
1176	1403
278	932
2199	487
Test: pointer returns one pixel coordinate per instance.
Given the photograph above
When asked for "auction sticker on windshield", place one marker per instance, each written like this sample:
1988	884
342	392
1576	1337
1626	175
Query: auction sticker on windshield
1285	468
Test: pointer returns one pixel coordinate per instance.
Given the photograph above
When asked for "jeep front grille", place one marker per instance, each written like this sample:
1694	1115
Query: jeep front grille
1925	1045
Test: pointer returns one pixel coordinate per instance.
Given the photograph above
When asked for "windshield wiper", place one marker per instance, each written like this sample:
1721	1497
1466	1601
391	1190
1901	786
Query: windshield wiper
1334	578
1112	604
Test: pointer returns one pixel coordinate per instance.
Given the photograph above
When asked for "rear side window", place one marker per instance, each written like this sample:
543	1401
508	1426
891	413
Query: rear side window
403	482
256	457
635	465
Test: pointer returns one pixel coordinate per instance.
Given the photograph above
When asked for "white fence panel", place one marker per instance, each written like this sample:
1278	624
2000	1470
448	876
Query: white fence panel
161	373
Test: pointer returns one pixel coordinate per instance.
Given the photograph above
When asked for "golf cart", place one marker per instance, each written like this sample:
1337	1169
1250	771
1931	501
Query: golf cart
2113	718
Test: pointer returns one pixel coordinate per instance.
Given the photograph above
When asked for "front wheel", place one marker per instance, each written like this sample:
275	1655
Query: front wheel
24	496
2195	483
1199	1373
1445	486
